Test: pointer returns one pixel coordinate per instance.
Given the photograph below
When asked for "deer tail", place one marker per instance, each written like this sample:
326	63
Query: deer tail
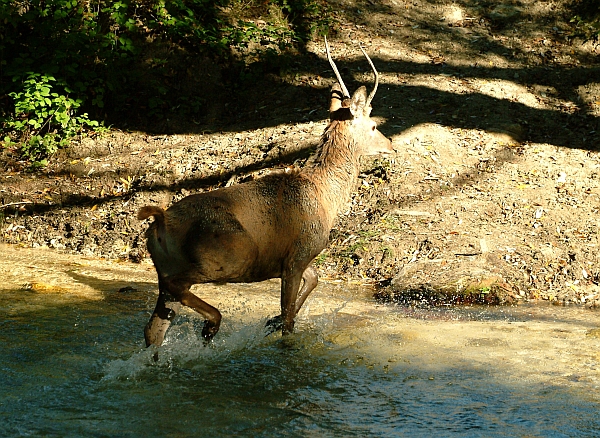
159	220
151	210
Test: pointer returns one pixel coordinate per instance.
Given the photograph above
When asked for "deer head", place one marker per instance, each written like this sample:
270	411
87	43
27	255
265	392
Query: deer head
357	109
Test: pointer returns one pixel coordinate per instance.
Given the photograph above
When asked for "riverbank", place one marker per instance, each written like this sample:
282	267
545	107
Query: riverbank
493	194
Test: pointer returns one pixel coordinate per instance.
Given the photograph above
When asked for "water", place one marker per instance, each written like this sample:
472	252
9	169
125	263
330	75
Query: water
75	365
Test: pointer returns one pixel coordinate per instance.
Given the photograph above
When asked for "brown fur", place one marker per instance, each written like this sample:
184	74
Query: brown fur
272	227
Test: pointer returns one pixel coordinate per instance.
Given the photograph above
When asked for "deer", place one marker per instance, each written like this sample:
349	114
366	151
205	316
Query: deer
270	227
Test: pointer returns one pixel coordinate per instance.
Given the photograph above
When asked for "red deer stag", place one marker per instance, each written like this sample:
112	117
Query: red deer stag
272	227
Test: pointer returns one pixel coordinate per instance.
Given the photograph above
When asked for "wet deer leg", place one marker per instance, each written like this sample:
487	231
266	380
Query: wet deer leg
310	280
165	311
181	291
290	284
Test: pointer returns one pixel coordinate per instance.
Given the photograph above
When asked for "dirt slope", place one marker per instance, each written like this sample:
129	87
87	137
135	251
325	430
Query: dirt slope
493	194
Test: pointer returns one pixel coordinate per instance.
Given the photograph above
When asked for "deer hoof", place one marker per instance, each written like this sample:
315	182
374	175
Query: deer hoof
274	324
209	331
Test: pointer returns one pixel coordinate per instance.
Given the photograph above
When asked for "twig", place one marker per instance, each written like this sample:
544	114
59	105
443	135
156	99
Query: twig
16	203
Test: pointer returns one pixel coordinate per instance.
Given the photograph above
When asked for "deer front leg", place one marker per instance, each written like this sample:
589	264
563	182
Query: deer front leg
289	292
310	280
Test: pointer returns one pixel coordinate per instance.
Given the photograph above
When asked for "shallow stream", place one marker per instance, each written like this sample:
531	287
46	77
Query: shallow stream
73	362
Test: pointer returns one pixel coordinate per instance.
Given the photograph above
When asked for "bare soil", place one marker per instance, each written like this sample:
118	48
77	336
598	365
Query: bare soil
493	194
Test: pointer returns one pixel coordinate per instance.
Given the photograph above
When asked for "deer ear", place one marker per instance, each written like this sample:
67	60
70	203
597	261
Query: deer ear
357	106
337	97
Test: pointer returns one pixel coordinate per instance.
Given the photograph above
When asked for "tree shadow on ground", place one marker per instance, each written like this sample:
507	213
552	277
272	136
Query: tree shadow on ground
293	88
410	105
403	106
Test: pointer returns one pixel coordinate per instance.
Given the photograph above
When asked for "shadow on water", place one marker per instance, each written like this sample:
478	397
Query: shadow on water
113	290
78	368
523	312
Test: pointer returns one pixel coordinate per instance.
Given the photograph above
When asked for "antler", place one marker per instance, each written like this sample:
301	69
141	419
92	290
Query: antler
337	73
372	94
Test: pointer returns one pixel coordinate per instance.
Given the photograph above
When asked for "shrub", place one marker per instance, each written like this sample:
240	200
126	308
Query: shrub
65	63
586	22
44	119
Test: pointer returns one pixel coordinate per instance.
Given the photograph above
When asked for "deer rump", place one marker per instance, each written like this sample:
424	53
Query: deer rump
272	227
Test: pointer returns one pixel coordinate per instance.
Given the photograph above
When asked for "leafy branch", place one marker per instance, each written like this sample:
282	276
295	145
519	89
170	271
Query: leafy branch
64	62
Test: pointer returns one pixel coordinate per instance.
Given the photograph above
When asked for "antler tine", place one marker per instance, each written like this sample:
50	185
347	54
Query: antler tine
335	70
372	94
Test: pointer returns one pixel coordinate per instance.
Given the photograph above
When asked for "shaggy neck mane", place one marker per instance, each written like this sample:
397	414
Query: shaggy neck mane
334	170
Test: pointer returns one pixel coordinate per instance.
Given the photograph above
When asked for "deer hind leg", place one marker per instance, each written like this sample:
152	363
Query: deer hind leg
180	289
310	280
165	311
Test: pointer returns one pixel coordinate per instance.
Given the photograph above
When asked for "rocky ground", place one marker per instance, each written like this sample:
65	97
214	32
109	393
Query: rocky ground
493	194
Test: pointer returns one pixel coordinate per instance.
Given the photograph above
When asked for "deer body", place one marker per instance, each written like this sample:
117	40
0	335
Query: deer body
272	227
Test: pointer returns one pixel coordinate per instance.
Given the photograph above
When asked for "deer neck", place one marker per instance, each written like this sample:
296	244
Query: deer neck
335	169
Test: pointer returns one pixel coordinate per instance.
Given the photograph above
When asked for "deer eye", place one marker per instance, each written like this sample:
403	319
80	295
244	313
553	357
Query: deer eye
373	128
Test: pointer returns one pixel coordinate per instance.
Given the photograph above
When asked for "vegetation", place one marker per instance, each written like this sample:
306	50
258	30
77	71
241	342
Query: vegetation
62	62
586	21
